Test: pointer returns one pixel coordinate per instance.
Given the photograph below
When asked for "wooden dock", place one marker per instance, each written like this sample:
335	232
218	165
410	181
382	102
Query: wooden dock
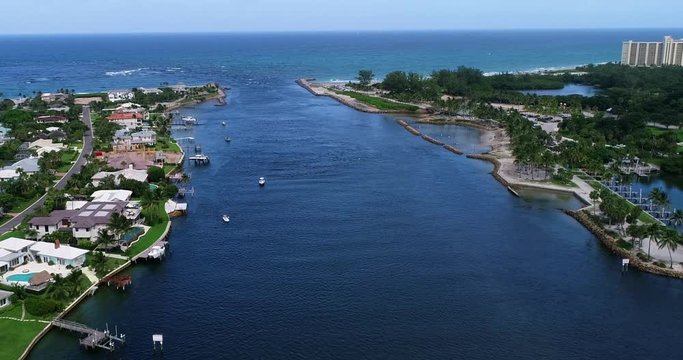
93	338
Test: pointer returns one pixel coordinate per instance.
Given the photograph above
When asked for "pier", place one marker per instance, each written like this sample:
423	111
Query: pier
93	337
200	159
119	281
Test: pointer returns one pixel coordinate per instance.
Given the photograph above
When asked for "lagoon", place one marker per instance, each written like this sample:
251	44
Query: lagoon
569	89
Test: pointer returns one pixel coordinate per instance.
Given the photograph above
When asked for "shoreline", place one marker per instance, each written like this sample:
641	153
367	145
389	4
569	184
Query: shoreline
90	291
502	160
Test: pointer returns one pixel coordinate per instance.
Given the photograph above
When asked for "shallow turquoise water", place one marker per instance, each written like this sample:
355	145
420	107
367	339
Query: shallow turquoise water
21	277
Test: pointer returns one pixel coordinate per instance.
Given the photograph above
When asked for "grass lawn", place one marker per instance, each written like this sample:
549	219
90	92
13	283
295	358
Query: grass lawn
23	204
678	132
151	236
379	103
169	167
14	233
167	145
15	336
561	182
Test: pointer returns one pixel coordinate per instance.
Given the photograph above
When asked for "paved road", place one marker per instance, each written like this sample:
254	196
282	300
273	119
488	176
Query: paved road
80	162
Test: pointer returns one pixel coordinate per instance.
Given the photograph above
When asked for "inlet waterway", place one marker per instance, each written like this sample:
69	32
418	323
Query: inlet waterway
369	242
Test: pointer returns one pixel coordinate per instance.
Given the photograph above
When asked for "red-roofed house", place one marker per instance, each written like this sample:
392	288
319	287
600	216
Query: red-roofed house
127	120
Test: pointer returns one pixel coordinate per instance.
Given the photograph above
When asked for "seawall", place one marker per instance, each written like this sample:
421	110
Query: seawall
611	244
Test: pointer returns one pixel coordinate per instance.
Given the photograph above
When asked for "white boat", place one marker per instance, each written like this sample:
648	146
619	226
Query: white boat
227	139
223	123
226	218
156	252
189	119
261	181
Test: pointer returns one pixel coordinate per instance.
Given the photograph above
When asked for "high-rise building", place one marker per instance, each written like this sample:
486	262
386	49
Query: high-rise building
656	53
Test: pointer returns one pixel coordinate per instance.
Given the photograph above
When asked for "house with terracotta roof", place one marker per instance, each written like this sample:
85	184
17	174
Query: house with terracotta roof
127	120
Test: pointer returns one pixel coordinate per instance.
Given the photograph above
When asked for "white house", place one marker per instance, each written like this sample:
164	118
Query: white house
28	165
110	196
5	298
42	146
8	174
16	245
58	254
120	95
13	252
128	173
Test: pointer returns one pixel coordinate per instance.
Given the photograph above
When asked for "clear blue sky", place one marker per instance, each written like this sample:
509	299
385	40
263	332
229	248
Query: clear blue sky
126	16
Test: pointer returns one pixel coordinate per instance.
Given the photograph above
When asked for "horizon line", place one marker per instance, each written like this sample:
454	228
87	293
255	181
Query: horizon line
246	32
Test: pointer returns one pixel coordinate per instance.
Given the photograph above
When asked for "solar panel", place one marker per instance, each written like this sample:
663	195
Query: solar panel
108	207
85	213
102	213
92	207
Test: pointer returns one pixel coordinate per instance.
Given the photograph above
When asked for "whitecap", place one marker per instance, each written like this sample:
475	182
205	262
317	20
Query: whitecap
123	72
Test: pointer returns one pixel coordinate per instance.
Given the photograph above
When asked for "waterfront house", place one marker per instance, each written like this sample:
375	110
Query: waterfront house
53	97
10	260
58	254
128	173
17	245
5	298
84	222
150	90
120	95
123	141
13	252
111	196
127	120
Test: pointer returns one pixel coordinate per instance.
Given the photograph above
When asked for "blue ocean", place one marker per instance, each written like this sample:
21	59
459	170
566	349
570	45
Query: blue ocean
366	242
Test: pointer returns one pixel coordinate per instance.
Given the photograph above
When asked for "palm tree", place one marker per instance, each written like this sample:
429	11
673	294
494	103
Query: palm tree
637	232
654	231
669	239
676	218
118	224
659	198
595	196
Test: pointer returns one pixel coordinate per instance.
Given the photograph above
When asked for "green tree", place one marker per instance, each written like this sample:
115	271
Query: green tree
669	239
654	231
365	78
155	174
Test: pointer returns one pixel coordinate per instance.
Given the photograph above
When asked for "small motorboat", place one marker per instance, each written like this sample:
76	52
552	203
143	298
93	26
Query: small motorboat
261	181
228	139
226	218
223	123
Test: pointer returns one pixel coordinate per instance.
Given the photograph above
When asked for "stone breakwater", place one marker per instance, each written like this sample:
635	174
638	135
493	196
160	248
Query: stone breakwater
611	244
496	166
318	90
414	131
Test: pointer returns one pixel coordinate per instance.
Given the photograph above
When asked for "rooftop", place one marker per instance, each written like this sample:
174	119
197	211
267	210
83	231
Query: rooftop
5	294
57	250
15	244
124	116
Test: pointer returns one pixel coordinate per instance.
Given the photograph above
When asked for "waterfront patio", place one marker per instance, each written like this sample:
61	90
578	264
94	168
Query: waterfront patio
33	267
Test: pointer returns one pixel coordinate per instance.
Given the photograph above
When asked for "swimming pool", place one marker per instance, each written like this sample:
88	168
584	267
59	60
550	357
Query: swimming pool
132	234
20	277
153	187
